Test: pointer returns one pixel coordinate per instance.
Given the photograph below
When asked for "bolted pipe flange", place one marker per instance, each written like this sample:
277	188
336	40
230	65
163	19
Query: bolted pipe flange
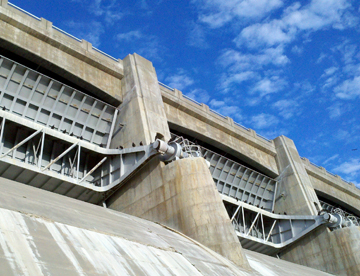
333	220
169	152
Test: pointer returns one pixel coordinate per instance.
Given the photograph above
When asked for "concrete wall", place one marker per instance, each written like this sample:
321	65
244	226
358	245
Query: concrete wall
336	252
198	121
333	187
182	195
77	61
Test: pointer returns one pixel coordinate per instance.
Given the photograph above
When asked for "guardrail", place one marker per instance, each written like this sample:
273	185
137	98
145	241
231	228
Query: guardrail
61	31
217	113
264	138
65	33
27	13
168	87
327	172
192	100
237	124
105	54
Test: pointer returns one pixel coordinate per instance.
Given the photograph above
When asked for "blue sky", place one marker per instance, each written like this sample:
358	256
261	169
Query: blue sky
278	67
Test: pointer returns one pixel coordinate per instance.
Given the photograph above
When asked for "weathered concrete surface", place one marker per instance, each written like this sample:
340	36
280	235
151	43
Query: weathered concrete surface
77	61
270	266
142	110
42	233
296	195
198	121
336	252
182	195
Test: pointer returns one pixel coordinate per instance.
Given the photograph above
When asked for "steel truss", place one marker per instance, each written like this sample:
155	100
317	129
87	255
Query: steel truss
268	233
54	161
233	179
56	138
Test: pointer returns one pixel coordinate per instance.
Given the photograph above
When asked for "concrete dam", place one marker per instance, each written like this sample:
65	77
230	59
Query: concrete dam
106	171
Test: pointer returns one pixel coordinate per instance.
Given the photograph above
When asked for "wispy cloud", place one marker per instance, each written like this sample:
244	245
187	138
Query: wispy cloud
348	89
263	120
350	168
129	36
269	85
110	10
180	80
197	36
244	67
216	13
336	110
238	61
330	71
332	158
317	15
286	108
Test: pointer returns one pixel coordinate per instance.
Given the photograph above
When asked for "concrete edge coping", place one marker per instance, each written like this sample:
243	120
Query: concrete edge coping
224	123
47	32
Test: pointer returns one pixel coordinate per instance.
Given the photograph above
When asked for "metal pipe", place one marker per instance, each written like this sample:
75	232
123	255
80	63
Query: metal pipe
237	209
272	228
112	128
252	225
22	142
41	149
93	169
57	158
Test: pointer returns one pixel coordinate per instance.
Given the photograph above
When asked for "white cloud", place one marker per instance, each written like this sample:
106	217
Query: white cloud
350	136
263	120
330	71
319	14
268	34
216	13
197	36
237	61
349	89
180	80
242	67
227	81
334	157
286	108
335	111
269	85
129	36
322	57
297	50
109	10
351	167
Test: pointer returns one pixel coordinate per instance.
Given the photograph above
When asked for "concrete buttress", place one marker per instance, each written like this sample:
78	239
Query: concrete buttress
182	195
142	111
336	252
295	194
